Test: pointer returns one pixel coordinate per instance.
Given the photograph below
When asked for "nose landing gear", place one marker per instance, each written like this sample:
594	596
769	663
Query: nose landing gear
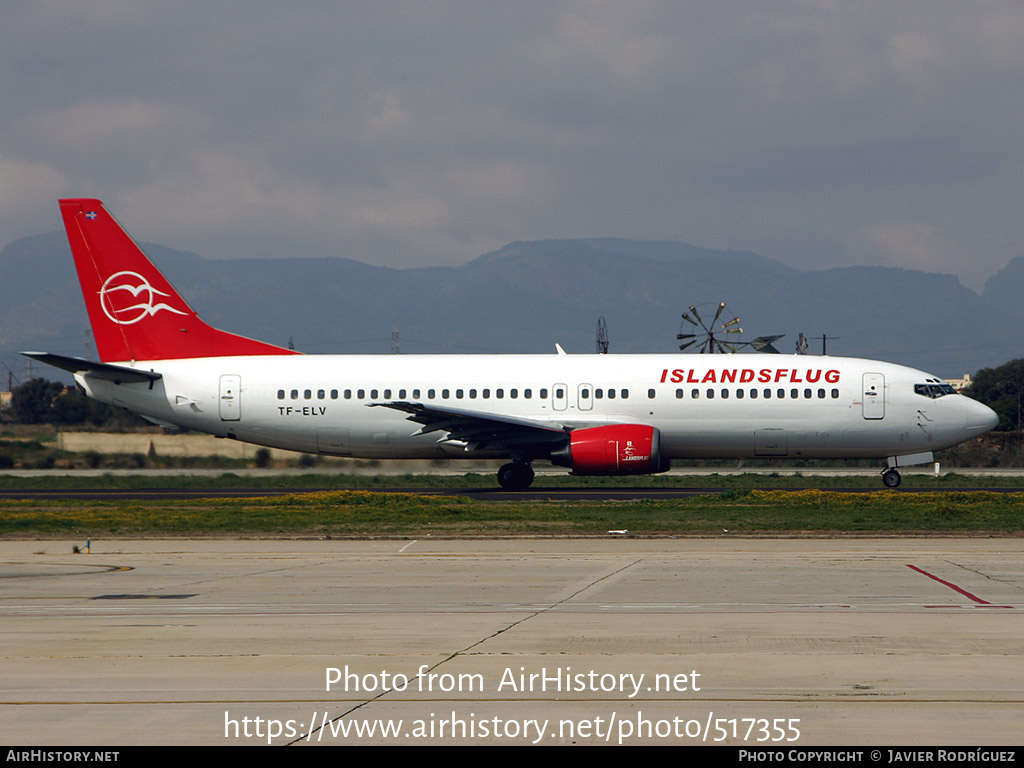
891	478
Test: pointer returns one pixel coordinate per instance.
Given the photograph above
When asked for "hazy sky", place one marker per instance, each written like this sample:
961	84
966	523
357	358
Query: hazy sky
425	133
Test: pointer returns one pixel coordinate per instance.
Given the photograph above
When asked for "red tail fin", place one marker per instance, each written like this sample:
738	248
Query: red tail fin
135	313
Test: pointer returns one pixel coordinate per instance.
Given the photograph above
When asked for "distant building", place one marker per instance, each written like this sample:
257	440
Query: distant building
5	400
960	384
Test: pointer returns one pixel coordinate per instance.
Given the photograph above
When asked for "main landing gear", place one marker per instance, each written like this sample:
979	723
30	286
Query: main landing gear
891	478
515	476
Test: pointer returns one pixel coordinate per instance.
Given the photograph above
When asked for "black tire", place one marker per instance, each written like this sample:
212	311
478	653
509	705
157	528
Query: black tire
515	476
891	478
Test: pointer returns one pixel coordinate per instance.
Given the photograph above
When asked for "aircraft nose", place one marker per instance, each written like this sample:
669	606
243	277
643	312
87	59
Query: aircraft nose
979	418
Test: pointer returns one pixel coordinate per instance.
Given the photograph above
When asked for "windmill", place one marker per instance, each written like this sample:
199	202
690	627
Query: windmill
714	335
710	335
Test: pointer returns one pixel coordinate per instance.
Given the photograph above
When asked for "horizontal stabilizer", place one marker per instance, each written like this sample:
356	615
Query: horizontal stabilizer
115	373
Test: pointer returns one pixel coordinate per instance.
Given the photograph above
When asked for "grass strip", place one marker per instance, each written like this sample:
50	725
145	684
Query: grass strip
355	513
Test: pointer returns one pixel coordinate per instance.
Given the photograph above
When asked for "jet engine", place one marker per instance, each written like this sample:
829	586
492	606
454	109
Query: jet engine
615	449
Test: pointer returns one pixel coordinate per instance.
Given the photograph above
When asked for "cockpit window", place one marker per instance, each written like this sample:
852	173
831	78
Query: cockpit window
933	391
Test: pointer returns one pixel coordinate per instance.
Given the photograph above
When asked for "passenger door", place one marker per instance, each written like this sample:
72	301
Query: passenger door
873	403
230	397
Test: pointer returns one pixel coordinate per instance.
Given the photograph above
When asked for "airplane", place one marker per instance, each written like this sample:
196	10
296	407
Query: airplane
593	414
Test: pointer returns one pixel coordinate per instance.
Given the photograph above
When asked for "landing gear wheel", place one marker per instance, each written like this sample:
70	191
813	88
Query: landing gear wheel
891	478
515	476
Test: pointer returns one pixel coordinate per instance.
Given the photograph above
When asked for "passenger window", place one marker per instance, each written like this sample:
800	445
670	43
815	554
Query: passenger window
695	394
445	393
499	393
753	394
559	393
401	394
308	394
373	394
513	393
487	394
711	394
416	394
821	394
362	394
459	394
472	394
295	394
320	394
611	394
348	394
739	394
544	393
387	394
280	394
725	393
807	393
625	394
650	394
835	394
528	393
598	394
431	393
679	394
334	394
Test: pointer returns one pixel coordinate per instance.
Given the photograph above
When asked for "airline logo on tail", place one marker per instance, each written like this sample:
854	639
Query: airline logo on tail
122	288
119	284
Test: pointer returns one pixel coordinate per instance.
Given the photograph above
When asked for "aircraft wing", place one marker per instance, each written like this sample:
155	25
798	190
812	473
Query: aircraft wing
480	430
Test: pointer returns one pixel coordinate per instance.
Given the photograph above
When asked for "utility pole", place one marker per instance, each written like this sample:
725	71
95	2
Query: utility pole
824	342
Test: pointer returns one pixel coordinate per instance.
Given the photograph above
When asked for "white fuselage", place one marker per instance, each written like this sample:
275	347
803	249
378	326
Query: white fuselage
711	406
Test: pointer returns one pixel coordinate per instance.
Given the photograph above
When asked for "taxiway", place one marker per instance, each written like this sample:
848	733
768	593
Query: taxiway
849	641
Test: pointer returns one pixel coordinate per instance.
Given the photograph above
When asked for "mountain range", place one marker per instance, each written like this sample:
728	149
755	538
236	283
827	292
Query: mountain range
529	295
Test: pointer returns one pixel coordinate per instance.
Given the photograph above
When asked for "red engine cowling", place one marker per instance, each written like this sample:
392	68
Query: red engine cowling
616	449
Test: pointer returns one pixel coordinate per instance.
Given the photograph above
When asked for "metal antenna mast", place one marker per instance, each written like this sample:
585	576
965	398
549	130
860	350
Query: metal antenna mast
602	336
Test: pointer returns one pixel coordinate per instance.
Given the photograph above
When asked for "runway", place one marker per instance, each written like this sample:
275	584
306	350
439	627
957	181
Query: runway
790	641
539	493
